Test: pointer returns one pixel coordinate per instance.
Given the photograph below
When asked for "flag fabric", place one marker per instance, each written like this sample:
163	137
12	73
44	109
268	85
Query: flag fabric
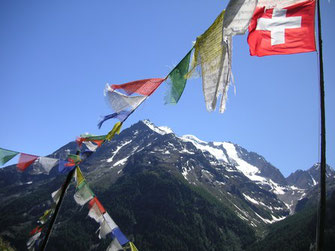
65	166
96	210
237	17
120	236
74	158
277	3
283	30
6	155
114	246
45	216
104	230
56	195
92	146
83	194
110	221
123	115
89	137
45	164
31	242
116	130
132	246
25	161
120	102
36	230
177	80
78	176
143	87
209	54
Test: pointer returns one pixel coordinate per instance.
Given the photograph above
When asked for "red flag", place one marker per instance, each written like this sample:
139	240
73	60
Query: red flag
144	87
25	160
282	31
96	201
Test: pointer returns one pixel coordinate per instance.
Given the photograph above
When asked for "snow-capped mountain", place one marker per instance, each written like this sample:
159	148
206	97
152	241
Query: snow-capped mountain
255	189
244	183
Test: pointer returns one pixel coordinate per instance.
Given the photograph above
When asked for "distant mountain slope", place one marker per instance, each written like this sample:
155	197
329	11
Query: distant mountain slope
297	232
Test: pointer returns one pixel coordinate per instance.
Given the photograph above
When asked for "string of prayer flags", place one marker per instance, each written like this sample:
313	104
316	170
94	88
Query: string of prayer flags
177	80
25	161
143	87
6	155
209	54
116	130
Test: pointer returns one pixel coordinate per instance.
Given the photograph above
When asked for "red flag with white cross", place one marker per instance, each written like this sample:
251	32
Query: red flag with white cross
286	30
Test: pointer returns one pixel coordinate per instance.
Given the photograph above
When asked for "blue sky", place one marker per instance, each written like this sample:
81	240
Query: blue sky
57	56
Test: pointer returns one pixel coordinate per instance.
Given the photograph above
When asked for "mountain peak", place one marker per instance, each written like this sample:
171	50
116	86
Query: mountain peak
162	130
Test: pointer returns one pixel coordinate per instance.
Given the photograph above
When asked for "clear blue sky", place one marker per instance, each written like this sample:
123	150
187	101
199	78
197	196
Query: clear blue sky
56	57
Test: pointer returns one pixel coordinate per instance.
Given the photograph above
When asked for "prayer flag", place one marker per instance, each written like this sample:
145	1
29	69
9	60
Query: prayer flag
177	80
120	102
56	195
45	164
36	230
96	210
31	242
78	176
114	246
287	30
45	216
93	146
25	161
6	155
144	87
132	246
104	229
237	17
120	236
65	166
110	221
210	53
123	115
95	201
83	194
116	130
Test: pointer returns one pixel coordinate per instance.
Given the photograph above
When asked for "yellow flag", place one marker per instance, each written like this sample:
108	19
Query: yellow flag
79	176
210	54
132	246
116	130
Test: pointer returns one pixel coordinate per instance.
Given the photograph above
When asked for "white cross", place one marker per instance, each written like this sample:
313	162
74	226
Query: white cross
277	25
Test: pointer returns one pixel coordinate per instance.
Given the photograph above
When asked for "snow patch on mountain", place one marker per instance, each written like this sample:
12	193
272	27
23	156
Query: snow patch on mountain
204	147
117	150
250	199
162	130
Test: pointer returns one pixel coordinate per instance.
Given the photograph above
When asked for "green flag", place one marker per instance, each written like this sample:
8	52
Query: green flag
177	80
6	155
